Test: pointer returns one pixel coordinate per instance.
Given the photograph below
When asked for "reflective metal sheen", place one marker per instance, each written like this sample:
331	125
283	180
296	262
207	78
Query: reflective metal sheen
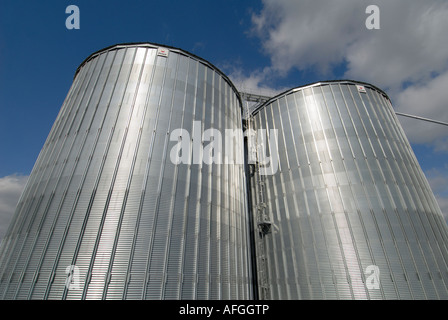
349	214
108	211
106	214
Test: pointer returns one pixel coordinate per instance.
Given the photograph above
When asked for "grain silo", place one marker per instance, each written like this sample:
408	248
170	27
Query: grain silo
348	214
148	188
109	212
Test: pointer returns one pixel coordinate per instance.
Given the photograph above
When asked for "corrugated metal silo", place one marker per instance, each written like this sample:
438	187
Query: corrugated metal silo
349	213
108	214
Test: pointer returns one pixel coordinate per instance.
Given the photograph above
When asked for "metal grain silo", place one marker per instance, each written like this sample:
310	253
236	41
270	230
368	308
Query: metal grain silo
108	214
348	214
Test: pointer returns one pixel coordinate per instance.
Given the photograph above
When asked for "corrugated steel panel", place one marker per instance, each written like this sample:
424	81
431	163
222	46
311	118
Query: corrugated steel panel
348	194
104	195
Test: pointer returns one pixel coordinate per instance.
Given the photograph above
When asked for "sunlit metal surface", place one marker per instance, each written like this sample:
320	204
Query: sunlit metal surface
105	197
352	214
108	214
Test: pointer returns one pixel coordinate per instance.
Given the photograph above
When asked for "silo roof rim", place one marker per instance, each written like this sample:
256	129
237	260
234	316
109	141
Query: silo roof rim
155	46
317	83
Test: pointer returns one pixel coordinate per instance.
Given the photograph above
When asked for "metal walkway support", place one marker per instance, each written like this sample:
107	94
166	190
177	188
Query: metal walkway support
259	210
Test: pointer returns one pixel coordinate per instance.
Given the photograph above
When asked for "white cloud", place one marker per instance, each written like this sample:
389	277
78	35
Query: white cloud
443	204
407	48
11	188
438	180
252	83
324	33
407	56
428	100
309	33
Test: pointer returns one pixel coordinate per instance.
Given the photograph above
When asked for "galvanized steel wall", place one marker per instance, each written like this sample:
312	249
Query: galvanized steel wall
105	197
347	215
352	215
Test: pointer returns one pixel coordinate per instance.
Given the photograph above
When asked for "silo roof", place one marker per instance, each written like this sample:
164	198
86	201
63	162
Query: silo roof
317	83
173	49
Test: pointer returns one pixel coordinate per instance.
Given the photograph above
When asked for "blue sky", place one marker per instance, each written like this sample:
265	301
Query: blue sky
264	46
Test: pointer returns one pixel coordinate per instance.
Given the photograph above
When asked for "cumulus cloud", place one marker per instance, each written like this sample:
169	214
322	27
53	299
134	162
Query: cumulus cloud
443	203
253	83
408	46
438	180
427	100
310	33
11	188
407	56
323	34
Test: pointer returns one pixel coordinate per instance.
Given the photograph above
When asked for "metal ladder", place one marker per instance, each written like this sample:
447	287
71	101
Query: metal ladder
260	210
